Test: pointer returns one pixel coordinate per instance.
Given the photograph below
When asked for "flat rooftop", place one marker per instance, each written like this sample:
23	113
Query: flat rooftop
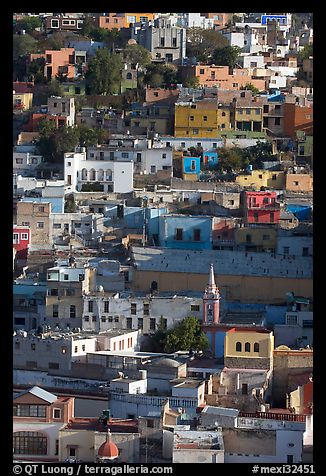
198	440
236	263
136	355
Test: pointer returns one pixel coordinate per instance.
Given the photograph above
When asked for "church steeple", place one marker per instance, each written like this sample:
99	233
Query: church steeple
211	300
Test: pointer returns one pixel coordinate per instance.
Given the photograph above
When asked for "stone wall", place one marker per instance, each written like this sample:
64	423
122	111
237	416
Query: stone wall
247	363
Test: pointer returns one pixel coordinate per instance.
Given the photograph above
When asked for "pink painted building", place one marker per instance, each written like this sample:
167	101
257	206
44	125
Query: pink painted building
261	207
21	240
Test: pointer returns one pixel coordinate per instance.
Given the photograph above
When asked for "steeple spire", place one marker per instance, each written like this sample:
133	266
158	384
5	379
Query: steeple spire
211	281
211	300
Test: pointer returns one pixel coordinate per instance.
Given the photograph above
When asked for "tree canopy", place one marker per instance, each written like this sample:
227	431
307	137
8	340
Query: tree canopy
251	87
186	335
22	45
137	54
103	75
29	24
160	75
226	56
201	43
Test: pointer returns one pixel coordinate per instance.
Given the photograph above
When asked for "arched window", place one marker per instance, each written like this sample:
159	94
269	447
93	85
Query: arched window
247	347
108	175
92	175
84	174
238	347
100	174
256	347
223	114
129	76
30	443
154	286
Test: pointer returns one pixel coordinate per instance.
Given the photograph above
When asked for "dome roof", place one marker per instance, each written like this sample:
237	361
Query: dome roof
108	450
166	362
132	41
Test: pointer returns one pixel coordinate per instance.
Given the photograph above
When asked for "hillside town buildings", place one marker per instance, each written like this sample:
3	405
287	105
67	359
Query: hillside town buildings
163	238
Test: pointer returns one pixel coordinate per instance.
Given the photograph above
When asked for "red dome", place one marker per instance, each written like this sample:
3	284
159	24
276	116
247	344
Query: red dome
108	450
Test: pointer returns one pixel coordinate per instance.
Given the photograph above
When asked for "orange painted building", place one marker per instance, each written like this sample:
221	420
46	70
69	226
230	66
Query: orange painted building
220	19
297	118
220	77
122	20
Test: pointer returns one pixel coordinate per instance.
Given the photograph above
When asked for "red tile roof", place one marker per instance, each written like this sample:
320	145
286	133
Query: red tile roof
23	87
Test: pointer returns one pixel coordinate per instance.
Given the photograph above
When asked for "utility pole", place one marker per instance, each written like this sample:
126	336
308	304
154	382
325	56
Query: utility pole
144	220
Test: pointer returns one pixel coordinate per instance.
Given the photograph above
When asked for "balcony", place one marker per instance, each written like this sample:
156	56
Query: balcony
263	206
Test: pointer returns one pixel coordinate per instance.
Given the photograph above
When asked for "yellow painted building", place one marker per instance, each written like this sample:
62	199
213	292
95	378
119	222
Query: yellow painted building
138	17
256	239
262	178
201	119
22	100
249	344
248	117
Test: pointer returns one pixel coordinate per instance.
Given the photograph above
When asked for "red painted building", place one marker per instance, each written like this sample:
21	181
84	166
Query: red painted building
21	240
261	207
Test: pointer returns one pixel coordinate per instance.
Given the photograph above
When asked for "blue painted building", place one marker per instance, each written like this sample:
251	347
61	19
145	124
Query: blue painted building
57	203
210	158
186	232
133	218
301	212
191	168
282	20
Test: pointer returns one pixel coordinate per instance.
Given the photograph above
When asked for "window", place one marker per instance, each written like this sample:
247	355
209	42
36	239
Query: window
272	218
83	347
90	306
238	347
205	118
17	345
129	323
140	323
125	155
19	161
244	389
150	423
106	306
72	311
162	42
235	85
30	443
266	237
70	292
146	309
25	223
53	292
40	224
256	347
248	111
76	349
15	239
56	413
194	307
183	144
179	234
193	165
289	459
191	118
55	310
174	42
152	323
305	251
307	323
110	318
56	226
247	347
195	131
86	318
29	410
197	234
133	308
266	108
66	277
255	217
116	318
296	183
214	145
291	319
248	238
54	24
201	71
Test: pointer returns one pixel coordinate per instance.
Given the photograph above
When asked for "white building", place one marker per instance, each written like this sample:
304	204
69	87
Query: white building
147	160
112	176
88	228
58	106
194	20
126	311
25	163
197	447
256	440
184	143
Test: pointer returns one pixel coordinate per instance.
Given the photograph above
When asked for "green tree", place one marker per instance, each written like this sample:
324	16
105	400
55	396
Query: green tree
55	88
186	335
29	24
156	80
70	204
87	136
137	54
103	75
226	56
53	143
230	159
201	43
35	70
251	87
88	26
192	82
56	41
159	74
23	45
307	51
